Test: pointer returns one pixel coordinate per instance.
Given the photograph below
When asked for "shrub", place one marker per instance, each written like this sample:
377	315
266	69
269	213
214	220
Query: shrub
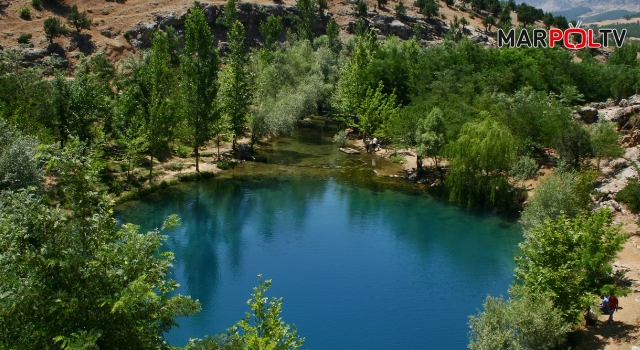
472	16
340	138
54	28
361	8
630	195
36	3
223	165
183	151
526	168
401	10
25	12
396	158
24	38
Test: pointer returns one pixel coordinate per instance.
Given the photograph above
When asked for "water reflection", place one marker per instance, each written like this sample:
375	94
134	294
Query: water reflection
338	247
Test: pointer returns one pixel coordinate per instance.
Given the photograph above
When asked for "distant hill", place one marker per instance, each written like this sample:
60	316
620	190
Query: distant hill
596	5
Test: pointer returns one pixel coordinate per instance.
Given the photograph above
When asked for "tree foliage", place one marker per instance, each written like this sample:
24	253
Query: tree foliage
483	152
236	94
527	322
431	136
78	20
53	28
18	164
199	81
569	260
71	277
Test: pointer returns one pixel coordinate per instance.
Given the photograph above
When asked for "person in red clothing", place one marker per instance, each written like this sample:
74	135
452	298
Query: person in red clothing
613	306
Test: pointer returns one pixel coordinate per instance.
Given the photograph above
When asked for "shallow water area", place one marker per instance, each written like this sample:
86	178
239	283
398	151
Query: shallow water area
361	261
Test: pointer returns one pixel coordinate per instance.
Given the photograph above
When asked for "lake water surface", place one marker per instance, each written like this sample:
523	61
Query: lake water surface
359	266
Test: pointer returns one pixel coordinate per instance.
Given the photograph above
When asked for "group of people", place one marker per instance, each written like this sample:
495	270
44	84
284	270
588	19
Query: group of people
371	145
608	305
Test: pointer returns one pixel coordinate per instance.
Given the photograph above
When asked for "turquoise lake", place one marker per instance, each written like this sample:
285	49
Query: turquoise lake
359	263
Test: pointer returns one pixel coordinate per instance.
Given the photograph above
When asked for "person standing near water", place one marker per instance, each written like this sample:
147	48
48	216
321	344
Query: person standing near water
613	306
366	144
604	305
374	144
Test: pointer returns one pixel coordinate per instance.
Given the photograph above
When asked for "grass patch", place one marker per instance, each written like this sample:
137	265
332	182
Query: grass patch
396	158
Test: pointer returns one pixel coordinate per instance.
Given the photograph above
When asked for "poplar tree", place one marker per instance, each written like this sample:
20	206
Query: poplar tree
307	10
235	89
199	81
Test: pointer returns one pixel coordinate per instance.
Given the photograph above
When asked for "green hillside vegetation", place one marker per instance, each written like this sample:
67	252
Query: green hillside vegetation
614	14
633	28
72	279
574	13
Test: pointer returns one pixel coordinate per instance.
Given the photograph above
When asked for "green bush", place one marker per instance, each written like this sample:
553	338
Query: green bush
25	12
340	138
223	165
24	38
630	195
361	8
396	158
526	168
36	3
183	151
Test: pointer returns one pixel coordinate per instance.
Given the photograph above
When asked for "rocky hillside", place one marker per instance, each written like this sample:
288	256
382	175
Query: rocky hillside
126	26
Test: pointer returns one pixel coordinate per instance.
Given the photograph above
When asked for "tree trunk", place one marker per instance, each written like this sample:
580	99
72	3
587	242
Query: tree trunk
218	143
197	151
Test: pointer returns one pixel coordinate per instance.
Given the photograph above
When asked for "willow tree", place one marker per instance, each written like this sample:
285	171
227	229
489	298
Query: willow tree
199	80
479	159
235	88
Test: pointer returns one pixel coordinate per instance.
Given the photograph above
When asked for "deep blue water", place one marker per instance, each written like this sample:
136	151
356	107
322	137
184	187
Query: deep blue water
358	267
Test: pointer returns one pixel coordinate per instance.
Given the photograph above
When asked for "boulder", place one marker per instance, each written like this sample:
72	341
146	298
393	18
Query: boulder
31	54
598	105
140	34
632	153
589	114
623	103
400	29
633	100
619	163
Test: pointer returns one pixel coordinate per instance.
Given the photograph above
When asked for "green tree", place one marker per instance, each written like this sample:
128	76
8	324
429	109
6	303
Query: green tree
566	193
53	28
78	20
604	139
569	260
428	8
431	137
483	152
18	163
333	32
505	19
574	143
401	10
150	84
235	87
307	12
528	15
271	29
626	55
354	75
376	109
361	8
488	22
561	22
527	322
71	277
264	328
199	80
548	20
230	14
261	329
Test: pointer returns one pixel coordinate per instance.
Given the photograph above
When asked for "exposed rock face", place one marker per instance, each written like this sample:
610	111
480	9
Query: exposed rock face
588	114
